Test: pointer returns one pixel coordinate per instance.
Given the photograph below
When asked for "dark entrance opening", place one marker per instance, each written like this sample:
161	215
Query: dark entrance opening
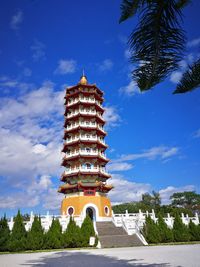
89	212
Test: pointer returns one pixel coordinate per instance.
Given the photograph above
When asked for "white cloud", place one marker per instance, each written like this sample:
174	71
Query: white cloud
127	54
170	190
122	39
176	76
30	140
119	166
126	191
106	65
194	42
66	66
27	72
159	152
111	117
130	90
16	20
197	134
162	153
38	50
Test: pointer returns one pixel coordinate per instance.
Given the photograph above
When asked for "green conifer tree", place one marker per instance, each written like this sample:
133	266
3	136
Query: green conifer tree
180	230
4	234
35	238
53	238
87	230
194	231
166	234
151	231
72	236
18	238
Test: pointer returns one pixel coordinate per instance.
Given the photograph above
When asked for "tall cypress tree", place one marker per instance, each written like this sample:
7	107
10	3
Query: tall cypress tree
166	234
53	238
35	237
4	234
151	231
194	231
18	238
180	230
73	237
87	230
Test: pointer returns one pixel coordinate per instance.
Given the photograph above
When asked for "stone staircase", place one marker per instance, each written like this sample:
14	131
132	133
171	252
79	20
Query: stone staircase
111	236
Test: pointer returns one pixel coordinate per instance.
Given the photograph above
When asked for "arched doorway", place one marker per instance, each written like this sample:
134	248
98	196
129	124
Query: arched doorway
90	213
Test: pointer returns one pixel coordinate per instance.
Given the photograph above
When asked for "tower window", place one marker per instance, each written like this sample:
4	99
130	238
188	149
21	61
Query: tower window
106	210
70	211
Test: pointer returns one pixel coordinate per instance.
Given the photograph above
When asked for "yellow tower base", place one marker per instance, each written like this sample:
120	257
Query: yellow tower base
97	206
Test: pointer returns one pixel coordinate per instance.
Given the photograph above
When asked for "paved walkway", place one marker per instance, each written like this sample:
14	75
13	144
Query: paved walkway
158	256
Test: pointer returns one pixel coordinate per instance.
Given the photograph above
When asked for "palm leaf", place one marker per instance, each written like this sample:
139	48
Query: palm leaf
129	8
158	42
190	79
182	3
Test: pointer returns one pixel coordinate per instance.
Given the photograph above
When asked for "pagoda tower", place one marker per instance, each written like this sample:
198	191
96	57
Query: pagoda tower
85	178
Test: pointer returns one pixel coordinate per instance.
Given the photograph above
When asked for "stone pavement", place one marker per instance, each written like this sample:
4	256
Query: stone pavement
158	256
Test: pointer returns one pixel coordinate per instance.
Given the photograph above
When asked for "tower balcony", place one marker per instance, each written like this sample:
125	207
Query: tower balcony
84	100
91	170
85	152
82	124
84	138
87	126
81	112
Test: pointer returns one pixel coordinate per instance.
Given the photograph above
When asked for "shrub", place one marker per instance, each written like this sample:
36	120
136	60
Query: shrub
151	231
87	230
53	238
35	238
194	231
4	234
18	238
72	236
180	230
166	234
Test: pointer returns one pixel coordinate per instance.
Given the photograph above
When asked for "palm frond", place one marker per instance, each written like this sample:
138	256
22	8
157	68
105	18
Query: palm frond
158	42
129	8
182	3
190	79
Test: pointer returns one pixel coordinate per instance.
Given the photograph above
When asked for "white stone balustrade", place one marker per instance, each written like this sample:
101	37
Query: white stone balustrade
81	169
131	222
84	138
83	100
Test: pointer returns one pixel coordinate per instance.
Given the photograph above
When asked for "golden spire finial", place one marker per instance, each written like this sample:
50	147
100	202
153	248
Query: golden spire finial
83	79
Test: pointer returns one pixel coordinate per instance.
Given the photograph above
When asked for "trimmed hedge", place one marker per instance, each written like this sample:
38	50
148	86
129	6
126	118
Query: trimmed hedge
20	240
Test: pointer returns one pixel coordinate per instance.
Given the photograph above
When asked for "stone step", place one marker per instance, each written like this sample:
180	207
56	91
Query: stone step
119	241
112	236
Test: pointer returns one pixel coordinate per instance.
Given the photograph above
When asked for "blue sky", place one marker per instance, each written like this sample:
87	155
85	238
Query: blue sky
153	138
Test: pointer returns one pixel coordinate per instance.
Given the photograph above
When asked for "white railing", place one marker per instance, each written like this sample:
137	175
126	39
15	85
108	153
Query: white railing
83	100
82	169
84	138
84	153
83	124
87	100
131	222
82	112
